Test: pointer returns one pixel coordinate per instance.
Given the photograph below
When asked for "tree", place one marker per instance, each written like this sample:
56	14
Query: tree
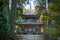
54	14
4	21
51	33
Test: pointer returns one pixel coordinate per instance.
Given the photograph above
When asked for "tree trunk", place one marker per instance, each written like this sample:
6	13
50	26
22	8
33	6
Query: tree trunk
13	16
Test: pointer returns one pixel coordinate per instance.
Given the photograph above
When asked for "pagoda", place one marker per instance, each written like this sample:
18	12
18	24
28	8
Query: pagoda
30	25
30	28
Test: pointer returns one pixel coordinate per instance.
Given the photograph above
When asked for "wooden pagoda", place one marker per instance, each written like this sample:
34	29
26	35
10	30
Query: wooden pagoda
30	25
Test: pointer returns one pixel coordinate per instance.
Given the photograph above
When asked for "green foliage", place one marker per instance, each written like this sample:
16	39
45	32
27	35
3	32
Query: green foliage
1	5
51	31
4	23
54	7
55	1
54	10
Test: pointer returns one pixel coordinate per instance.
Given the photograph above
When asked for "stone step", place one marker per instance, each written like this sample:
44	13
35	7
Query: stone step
31	37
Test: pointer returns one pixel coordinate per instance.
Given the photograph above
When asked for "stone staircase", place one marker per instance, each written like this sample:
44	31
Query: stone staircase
31	37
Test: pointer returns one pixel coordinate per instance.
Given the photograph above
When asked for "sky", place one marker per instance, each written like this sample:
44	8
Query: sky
10	4
32	4
27	6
